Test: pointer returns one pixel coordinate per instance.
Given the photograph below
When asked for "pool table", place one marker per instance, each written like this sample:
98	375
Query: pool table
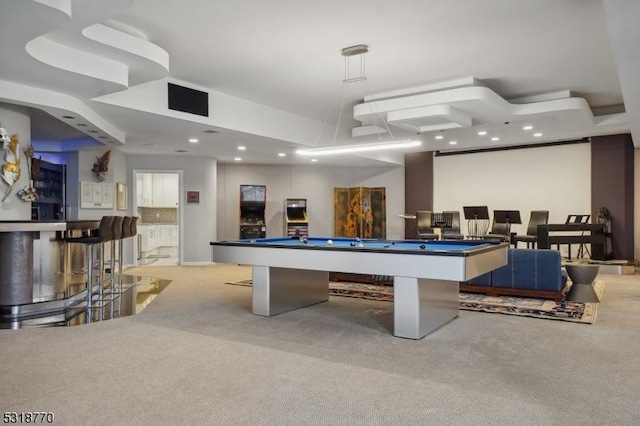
293	272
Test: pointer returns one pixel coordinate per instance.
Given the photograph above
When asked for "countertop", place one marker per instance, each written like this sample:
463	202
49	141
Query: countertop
46	225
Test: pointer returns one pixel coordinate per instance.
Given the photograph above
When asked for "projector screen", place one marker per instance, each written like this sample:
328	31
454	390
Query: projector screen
555	178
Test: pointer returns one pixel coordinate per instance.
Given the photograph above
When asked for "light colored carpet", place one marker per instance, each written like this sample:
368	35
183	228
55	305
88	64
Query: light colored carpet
197	356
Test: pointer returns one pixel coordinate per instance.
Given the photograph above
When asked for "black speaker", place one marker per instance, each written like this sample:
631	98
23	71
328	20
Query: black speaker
188	100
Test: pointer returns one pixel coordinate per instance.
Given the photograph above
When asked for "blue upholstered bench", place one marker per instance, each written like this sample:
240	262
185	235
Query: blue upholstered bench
528	273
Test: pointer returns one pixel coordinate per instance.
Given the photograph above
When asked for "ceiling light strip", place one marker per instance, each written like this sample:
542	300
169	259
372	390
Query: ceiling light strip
348	149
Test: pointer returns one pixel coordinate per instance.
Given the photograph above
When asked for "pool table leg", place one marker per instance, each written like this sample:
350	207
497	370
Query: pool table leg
421	306
278	290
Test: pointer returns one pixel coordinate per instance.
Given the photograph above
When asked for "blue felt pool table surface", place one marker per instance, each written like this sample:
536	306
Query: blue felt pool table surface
341	243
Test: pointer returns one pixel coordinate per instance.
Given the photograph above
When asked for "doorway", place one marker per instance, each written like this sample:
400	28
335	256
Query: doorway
157	204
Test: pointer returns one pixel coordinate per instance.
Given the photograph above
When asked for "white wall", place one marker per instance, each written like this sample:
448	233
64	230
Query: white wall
198	221
315	183
17	121
79	169
556	178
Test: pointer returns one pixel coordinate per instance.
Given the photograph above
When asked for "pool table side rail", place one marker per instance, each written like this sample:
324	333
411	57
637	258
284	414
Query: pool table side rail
415	264
473	249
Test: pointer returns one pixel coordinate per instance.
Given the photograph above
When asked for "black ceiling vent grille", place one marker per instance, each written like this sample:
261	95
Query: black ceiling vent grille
188	100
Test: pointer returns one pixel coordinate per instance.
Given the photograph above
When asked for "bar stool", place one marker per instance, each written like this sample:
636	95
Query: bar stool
96	239
114	277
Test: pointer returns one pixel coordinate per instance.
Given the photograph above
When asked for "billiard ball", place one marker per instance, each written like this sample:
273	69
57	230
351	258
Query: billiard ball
386	246
352	244
393	243
253	241
422	246
358	239
330	242
305	240
360	245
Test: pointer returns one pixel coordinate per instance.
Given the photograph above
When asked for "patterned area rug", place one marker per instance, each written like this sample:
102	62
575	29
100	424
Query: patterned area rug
580	312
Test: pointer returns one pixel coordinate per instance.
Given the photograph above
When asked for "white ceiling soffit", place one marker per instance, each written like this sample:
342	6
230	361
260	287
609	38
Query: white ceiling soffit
464	103
67	47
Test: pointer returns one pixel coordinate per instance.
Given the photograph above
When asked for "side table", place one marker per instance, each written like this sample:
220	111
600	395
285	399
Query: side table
582	276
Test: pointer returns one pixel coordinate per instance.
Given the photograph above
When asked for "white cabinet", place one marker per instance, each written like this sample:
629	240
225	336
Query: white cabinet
159	190
156	236
144	190
148	240
171	191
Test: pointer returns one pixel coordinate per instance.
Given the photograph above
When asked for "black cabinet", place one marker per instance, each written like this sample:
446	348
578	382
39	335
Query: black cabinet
49	181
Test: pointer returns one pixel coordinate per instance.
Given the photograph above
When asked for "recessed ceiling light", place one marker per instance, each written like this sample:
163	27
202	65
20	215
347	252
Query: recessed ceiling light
537	135
282	154
193	140
314	160
68	117
237	159
453	143
482	133
242	148
495	139
527	127
439	137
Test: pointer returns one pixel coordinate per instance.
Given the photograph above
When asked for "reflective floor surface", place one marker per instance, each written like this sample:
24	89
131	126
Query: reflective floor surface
137	294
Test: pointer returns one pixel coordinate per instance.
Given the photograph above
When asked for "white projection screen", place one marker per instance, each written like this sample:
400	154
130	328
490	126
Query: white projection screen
555	178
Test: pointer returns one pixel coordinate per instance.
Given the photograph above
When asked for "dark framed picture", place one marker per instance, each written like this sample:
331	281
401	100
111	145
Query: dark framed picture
193	197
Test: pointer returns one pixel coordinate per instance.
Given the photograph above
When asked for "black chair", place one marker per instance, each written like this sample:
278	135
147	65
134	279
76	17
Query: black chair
537	217
95	239
425	231
453	232
499	232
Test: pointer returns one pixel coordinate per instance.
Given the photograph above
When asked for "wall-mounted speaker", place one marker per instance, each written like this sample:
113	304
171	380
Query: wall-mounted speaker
188	100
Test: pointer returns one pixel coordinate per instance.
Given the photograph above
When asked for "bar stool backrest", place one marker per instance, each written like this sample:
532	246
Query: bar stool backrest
126	226
105	231
134	226
117	228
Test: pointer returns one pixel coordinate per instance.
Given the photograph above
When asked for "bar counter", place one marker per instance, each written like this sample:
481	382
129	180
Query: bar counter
36	265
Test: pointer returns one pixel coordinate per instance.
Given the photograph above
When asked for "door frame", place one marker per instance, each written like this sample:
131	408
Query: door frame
134	185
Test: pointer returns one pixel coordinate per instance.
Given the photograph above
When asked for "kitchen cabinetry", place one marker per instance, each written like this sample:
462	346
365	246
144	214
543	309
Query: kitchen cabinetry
152	237
144	189
157	190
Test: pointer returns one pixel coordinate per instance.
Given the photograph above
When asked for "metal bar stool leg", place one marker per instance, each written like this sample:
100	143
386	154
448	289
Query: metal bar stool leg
112	278
89	309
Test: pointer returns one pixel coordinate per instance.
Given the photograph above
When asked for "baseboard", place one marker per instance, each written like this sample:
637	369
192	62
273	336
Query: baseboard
617	269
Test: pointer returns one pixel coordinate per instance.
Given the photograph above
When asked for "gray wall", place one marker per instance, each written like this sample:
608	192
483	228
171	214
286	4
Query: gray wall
315	183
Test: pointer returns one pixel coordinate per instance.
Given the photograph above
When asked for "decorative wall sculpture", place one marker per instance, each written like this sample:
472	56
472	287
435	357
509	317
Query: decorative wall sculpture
29	193
11	167
101	167
360	212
